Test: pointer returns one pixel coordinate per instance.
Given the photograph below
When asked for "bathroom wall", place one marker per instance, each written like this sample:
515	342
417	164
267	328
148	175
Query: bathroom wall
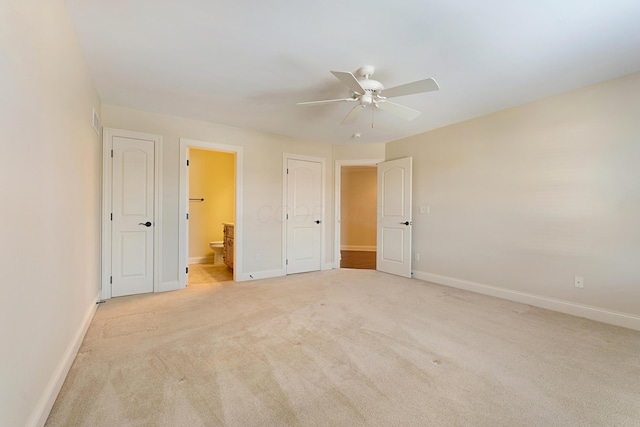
211	177
358	196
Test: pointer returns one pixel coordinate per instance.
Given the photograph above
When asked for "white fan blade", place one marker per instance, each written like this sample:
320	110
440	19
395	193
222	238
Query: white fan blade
426	85
398	110
350	81
326	101
353	114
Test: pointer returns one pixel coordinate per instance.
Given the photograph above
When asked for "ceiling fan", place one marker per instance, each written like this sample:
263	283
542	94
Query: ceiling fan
366	91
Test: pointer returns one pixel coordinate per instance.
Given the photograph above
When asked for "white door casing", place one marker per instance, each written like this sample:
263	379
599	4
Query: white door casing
304	215
131	215
394	217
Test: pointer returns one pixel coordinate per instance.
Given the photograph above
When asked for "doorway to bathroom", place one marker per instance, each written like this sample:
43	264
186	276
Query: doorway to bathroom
209	195
211	215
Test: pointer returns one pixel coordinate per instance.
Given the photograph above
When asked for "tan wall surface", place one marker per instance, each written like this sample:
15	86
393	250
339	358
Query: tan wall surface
263	193
358	195
50	191
262	181
527	198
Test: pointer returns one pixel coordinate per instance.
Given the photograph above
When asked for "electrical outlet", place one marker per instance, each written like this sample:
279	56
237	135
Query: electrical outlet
416	256
579	282
424	209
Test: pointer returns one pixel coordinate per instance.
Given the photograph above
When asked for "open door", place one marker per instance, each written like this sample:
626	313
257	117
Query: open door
394	217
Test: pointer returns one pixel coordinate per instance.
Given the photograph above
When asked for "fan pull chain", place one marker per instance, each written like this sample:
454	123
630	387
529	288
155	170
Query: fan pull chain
372	113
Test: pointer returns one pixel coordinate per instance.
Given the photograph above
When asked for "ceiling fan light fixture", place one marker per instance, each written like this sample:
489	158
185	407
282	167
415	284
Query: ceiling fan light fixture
369	92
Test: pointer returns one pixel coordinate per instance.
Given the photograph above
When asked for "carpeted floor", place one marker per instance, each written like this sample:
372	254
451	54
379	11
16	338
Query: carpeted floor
346	348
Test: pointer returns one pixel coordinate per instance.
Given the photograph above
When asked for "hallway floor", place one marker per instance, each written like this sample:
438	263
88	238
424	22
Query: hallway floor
358	259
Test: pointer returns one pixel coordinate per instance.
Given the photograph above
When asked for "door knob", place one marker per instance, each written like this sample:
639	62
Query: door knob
317	221
146	224
406	223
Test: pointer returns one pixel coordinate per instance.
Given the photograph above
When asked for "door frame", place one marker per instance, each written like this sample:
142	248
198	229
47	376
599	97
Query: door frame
183	197
107	164
285	158
337	180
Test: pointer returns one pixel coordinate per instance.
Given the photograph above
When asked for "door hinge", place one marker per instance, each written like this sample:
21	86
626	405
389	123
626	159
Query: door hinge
187	270
111	153
287	216
187	216
111	279
287	171
287	262
187	162
111	216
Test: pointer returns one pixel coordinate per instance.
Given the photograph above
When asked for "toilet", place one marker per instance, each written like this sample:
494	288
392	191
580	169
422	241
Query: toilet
217	250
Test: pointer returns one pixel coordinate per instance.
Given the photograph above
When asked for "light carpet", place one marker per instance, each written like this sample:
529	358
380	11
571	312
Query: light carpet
346	348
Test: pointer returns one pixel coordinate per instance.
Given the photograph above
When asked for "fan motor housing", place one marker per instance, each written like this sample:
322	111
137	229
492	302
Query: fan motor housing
368	84
371	85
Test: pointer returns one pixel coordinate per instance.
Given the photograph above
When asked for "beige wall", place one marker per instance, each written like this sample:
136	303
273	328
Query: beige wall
527	198
359	152
262	181
211	177
522	200
358	196
50	172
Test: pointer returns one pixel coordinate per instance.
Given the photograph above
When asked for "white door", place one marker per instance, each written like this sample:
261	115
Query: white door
132	224
394	217
304	216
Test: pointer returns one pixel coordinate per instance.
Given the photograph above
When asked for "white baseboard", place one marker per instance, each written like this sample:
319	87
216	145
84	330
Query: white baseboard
260	275
357	248
594	313
173	285
201	260
43	408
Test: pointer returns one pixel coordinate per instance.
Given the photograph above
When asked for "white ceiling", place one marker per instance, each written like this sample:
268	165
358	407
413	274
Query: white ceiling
246	63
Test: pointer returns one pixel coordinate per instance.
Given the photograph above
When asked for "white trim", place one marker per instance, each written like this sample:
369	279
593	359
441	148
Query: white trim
262	275
562	306
183	251
107	161
323	165
358	248
157	229
336	192
47	399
